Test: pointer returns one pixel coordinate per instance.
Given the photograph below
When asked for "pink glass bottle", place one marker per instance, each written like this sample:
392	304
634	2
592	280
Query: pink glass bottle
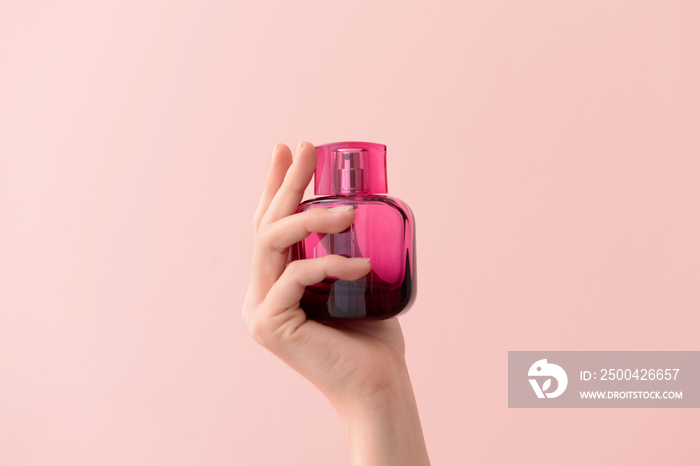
354	173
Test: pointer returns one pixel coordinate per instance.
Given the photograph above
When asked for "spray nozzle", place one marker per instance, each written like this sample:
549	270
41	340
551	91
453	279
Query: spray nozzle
350	167
349	175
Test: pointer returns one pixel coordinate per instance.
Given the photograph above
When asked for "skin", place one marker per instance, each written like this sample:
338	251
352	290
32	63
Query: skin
359	366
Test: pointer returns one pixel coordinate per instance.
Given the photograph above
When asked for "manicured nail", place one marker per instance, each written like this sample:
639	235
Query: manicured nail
360	260
340	208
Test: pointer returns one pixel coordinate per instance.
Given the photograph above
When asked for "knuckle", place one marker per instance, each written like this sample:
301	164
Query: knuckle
258	330
268	237
294	267
263	237
332	260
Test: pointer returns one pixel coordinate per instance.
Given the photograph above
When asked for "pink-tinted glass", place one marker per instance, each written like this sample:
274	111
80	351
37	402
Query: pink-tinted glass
383	230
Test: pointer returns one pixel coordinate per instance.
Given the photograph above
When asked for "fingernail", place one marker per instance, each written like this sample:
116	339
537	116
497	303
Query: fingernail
360	260
340	208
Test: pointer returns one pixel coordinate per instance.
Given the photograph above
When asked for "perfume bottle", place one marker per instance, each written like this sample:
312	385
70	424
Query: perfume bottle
354	173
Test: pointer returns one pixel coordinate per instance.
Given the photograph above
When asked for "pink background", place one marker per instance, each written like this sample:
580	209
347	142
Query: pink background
550	152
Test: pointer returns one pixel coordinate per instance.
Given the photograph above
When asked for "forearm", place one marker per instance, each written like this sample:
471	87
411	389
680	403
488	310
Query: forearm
385	429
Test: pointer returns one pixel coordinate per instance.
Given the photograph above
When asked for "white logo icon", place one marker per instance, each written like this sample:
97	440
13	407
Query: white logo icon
542	369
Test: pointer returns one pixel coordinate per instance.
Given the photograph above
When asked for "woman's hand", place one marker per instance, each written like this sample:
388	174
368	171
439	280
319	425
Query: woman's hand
358	365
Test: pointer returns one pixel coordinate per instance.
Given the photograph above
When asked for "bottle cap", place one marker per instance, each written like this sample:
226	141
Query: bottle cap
350	167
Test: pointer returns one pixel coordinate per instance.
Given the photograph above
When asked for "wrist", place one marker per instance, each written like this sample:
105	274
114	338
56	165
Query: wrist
383	426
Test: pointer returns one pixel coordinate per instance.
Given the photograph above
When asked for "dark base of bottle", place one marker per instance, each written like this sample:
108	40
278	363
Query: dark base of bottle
341	299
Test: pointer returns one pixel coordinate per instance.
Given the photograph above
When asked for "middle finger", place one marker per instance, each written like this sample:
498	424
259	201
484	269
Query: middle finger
295	182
